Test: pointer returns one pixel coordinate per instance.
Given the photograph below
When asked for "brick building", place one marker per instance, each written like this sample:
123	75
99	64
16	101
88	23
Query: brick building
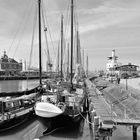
9	66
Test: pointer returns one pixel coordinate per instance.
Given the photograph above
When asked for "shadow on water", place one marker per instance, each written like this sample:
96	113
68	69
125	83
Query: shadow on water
60	127
63	127
29	130
18	128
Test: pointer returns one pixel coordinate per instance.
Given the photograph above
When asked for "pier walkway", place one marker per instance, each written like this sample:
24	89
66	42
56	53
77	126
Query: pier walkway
107	117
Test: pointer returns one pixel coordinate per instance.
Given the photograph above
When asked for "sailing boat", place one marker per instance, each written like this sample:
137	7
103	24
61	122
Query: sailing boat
65	98
48	106
17	107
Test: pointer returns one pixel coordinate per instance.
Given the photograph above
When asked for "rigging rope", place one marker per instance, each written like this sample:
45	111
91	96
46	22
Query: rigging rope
32	43
19	26
86	119
47	46
48	28
57	60
67	20
24	25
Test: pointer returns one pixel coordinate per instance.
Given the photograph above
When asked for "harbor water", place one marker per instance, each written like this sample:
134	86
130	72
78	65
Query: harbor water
17	85
33	128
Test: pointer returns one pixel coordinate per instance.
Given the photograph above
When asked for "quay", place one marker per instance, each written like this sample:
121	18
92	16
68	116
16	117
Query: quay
104	119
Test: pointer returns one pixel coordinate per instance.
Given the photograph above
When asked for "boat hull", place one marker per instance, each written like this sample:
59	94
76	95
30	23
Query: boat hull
47	110
14	122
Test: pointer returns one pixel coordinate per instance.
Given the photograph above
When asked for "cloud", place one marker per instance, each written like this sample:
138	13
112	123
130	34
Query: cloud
103	16
104	24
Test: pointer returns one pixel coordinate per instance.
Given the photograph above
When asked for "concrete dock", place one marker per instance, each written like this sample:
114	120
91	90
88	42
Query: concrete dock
105	120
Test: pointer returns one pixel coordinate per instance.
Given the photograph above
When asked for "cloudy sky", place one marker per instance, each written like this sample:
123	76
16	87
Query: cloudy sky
103	25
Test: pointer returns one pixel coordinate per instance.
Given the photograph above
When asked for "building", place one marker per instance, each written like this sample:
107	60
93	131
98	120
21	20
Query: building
112	64
9	66
128	70
117	69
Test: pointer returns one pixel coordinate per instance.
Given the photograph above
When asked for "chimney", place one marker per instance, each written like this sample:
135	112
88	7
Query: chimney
113	53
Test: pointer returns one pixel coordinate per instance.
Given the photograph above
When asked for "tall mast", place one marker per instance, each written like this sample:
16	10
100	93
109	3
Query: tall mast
58	60
83	59
77	49
71	41
87	66
68	61
61	47
39	23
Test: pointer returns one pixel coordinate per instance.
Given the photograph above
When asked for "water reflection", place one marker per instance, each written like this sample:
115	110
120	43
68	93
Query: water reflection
58	128
17	85
26	131
63	127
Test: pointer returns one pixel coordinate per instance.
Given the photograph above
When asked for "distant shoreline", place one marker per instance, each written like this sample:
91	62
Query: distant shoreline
20	77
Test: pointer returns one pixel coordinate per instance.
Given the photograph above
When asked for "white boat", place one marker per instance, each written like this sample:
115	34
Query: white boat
49	106
47	110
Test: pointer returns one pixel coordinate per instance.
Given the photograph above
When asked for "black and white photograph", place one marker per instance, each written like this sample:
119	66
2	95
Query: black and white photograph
69	69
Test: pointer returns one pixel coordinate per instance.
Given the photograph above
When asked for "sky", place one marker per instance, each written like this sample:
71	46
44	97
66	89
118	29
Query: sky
104	25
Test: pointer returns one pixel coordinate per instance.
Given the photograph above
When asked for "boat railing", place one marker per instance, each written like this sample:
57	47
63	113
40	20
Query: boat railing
1	117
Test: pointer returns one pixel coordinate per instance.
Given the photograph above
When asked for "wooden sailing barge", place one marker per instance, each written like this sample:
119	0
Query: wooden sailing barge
16	110
17	107
63	98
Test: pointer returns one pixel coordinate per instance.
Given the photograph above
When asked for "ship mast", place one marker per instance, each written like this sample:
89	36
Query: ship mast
71	42
61	47
68	60
39	23
87	66
58	60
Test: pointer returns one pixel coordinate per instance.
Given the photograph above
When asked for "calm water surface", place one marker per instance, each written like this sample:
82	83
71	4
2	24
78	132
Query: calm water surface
17	85
34	128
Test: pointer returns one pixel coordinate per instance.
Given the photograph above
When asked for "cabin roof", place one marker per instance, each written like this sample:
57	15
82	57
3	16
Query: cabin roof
127	67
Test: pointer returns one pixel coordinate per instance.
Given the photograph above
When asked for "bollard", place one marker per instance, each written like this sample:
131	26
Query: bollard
96	121
96	125
135	132
92	114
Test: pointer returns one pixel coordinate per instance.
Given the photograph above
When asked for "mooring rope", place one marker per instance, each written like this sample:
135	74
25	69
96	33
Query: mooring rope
86	119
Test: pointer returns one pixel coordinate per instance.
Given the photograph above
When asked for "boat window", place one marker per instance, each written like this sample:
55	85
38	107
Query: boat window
16	103
22	102
8	106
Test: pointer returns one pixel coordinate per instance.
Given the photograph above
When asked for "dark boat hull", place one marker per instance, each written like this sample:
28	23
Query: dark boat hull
16	121
20	93
62	122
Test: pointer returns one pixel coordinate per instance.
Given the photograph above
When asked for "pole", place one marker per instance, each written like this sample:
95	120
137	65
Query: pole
83	59
61	47
87	66
126	85
71	42
68	61
58	61
134	132
39	22
77	49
